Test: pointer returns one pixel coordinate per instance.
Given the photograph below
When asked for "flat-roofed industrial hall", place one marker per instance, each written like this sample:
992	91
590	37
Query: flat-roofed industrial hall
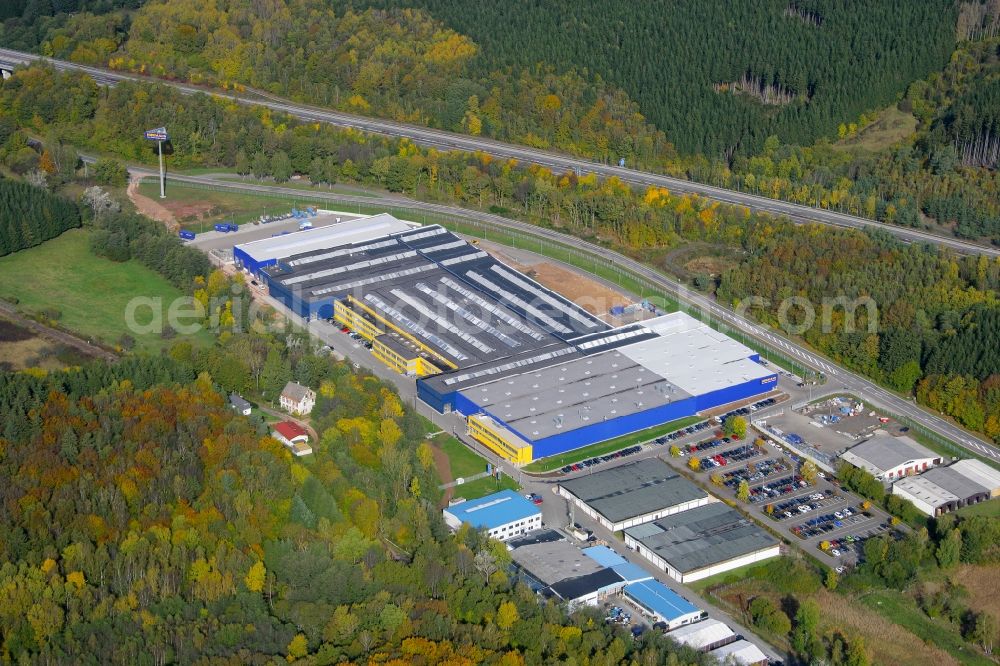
533	373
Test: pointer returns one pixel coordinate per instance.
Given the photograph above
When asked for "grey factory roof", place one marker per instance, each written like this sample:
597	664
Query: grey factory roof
574	394
925	490
351	231
701	537
633	490
884	452
553	561
954	482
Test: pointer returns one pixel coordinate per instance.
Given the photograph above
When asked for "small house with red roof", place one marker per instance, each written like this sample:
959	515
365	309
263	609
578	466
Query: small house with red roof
293	436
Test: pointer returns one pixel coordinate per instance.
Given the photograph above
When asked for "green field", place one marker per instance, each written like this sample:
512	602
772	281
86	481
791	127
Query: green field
730	576
601	448
464	461
990	509
902	610
485	486
90	292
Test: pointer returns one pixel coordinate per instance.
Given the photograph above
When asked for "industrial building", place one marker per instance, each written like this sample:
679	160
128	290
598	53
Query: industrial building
701	542
629	495
740	653
504	515
888	458
534	374
705	636
945	489
550	561
663	604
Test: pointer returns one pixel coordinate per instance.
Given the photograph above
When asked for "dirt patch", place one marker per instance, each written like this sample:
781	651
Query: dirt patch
710	265
150	208
982	592
443	466
592	296
11	332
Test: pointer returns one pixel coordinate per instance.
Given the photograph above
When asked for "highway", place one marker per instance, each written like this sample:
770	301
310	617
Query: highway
838	378
453	141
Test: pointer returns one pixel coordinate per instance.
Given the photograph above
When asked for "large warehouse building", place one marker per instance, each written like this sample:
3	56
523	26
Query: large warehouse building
533	373
945	489
702	542
629	495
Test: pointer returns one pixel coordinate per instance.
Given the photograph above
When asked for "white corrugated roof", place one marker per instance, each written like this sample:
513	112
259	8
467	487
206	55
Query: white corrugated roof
693	355
742	652
703	633
320	238
979	472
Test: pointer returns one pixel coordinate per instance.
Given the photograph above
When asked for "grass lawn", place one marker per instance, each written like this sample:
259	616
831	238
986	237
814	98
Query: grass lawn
732	576
902	610
891	127
485	486
990	509
91	292
601	448
464	461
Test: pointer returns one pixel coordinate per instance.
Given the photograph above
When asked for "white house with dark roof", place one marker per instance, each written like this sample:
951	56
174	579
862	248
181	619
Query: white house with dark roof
297	399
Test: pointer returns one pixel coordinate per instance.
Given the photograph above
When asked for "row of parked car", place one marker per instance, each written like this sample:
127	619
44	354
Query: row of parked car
782	486
683	432
601	459
743	411
740	454
791	508
756	472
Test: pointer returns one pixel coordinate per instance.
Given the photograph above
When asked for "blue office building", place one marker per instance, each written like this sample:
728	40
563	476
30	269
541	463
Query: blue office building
659	601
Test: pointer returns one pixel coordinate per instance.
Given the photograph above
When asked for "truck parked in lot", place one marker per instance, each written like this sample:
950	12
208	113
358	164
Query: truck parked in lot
185	234
226	227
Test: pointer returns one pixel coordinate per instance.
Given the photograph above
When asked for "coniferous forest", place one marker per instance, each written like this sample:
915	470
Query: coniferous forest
31	215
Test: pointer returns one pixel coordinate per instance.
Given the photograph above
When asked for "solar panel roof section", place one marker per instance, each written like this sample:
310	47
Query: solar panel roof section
558	302
508	297
497	310
457	308
415	328
441	321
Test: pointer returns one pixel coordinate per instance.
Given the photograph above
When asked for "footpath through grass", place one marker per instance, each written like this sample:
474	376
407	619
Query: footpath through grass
464	461
90	293
602	448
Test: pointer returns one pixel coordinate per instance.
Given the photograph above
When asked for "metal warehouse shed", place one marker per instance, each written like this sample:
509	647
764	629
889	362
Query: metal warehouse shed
632	494
698	543
941	490
256	255
705	635
888	458
742	653
659	601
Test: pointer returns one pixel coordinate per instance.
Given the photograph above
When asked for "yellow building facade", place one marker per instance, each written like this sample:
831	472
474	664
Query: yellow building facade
498	439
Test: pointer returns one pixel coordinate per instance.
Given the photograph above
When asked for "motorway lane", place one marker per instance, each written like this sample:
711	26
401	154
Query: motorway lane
708	309
454	141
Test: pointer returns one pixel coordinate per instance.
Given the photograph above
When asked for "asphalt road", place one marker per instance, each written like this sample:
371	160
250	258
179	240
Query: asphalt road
453	141
838	378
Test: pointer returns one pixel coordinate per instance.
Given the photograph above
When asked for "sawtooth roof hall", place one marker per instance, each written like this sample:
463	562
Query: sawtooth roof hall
534	373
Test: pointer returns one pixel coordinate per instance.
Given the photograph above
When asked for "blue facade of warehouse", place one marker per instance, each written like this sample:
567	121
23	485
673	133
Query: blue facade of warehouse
611	428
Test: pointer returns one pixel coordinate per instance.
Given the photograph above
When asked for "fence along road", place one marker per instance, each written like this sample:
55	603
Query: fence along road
697	304
453	141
